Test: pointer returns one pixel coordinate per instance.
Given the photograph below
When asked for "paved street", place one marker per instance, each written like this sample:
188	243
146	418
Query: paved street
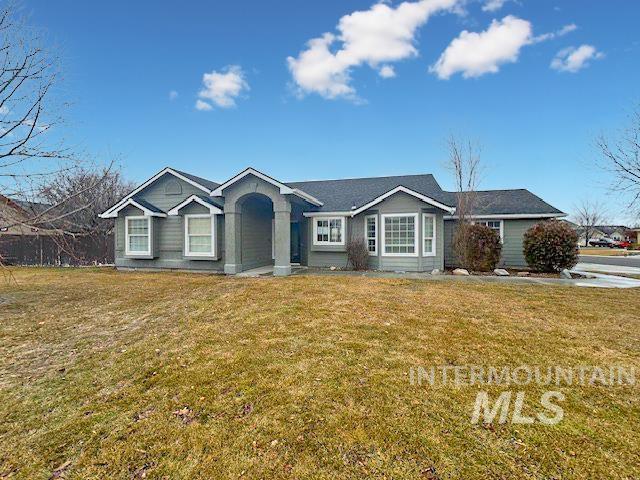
633	261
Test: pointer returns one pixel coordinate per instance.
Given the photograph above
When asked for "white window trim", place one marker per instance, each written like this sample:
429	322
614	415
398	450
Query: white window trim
484	221
366	234
342	230
212	253
435	235
416	235
126	235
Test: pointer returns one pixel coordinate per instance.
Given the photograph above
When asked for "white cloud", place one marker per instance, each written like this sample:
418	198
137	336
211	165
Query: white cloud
493	5
573	59
551	35
222	88
173	95
387	71
373	37
475	54
203	106
4	110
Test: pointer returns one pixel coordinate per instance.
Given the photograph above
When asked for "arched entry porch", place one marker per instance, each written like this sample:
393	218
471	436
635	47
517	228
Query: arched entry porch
257	227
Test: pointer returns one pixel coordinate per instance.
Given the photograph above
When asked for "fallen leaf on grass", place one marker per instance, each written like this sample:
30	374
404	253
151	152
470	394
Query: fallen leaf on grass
185	414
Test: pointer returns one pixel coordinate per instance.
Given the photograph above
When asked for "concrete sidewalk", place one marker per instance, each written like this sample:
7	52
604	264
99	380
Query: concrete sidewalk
597	280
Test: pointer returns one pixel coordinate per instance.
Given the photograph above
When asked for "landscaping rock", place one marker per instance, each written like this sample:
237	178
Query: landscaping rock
332	268
461	271
501	272
523	274
436	271
566	274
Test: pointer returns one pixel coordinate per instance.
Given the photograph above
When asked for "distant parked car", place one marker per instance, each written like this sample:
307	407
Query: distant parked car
623	244
602	242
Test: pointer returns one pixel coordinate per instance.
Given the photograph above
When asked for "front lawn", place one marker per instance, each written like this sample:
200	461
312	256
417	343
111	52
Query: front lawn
160	375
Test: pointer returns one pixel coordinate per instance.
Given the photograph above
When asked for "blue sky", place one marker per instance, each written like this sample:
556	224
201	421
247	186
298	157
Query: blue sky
331	113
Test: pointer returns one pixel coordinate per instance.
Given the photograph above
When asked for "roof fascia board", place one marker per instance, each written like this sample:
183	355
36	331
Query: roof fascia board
153	179
413	193
511	216
147	212
213	210
284	189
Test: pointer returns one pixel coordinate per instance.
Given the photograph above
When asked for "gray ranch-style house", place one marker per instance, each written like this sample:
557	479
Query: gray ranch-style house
176	220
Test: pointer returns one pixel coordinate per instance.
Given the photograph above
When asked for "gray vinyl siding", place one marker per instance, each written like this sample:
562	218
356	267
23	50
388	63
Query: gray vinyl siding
398	203
168	233
256	228
513	233
512	254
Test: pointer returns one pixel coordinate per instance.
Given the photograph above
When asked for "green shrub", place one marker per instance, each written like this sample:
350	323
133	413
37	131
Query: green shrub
634	246
477	247
551	246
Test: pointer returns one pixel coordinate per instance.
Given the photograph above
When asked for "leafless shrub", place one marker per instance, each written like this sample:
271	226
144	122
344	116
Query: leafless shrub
357	253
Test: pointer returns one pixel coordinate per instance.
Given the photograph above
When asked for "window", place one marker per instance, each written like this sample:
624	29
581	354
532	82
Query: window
328	231
428	234
138	235
495	225
400	235
371	233
199	237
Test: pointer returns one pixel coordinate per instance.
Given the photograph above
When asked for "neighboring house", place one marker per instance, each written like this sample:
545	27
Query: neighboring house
612	232
179	220
22	243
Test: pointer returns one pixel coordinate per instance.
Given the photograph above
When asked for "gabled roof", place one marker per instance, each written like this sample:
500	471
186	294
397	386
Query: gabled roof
350	194
206	186
609	229
149	209
208	202
284	188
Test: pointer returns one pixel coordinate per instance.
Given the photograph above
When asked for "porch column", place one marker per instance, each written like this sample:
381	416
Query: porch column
282	214
232	240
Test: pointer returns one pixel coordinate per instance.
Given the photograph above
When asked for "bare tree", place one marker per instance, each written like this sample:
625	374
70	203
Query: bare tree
464	162
33	152
621	157
587	215
79	197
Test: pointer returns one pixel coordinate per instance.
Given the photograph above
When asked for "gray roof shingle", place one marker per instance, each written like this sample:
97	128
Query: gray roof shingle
147	205
342	195
202	181
508	202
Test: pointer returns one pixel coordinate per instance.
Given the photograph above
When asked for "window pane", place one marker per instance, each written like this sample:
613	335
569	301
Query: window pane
138	243
399	234
428	245
138	226
336	230
199	243
199	226
428	227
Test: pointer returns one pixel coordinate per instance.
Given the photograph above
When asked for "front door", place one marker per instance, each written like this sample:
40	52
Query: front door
295	242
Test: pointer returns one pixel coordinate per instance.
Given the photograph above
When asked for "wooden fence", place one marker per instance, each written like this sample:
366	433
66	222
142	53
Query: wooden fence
55	250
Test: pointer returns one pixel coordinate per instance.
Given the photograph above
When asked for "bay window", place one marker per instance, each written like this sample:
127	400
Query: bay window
428	234
199	235
371	233
400	235
328	230
137	235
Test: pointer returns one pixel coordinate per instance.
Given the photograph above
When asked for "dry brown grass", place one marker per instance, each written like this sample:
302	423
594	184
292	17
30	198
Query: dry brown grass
606	252
122	375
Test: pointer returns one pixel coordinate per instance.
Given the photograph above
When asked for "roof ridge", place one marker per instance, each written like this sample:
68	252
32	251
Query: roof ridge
360	178
496	190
